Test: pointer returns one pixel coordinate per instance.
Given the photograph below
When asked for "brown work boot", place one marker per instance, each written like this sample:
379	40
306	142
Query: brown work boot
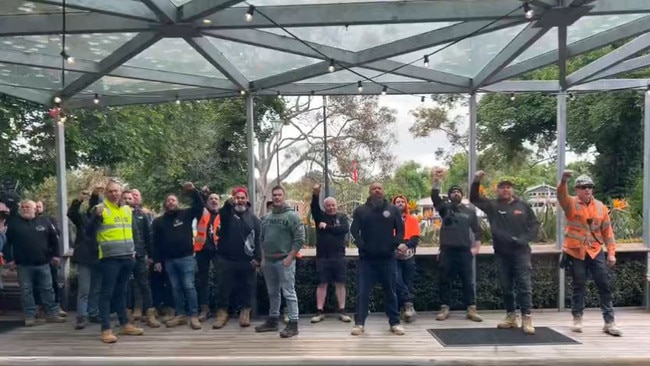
472	314
137	314
221	320
130	329
509	322
409	312
245	317
195	323
108	336
203	315
151	318
167	314
176	321
527	324
129	315
443	314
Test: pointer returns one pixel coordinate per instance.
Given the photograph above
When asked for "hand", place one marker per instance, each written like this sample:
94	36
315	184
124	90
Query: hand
255	264
317	190
287	261
611	260
205	190
322	225
475	250
402	248
188	186
566	175
11	265
99	210
56	261
479	175
83	195
437	173
157	267
263	263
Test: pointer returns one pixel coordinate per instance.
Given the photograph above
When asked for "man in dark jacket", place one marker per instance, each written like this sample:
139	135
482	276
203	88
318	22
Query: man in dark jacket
86	257
31	242
459	243
173	246
331	229
54	269
378	230
513	225
238	255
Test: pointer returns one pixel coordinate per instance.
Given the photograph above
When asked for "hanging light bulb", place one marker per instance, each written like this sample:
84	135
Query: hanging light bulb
242	92
571	96
426	60
207	21
528	11
422	99
360	86
57	100
512	96
249	13
332	68
96	100
178	101
384	90
69	59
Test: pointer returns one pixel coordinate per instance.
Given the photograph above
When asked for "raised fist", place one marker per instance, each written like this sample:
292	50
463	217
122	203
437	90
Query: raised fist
317	189
99	210
437	173
566	175
479	174
188	186
83	195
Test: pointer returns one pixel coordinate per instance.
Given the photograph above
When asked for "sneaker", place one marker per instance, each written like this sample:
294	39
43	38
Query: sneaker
318	317
577	324
443	314
81	323
357	330
509	322
291	330
612	329
270	325
397	329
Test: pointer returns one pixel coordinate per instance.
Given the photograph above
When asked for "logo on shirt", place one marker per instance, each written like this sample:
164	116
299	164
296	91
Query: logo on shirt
502	212
40	228
386	214
177	223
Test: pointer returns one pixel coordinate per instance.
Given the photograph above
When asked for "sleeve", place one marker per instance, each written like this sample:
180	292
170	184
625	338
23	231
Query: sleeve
438	202
52	221
355	229
258	244
298	231
148	237
413	232
608	232
564	199
8	249
316	212
93	225
532	226
226	212
54	241
340	229
197	204
399	227
94	200
156	236
413	242
476	227
479	201
74	215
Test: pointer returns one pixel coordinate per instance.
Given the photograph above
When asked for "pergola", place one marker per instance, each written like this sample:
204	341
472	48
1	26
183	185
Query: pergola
154	51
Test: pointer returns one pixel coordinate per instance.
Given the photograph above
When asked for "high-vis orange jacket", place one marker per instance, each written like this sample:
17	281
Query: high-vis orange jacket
202	230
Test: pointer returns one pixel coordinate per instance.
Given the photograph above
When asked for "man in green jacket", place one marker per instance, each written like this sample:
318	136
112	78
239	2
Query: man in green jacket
282	237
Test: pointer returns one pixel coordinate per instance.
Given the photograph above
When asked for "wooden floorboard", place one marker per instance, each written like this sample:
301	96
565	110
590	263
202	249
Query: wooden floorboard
328	343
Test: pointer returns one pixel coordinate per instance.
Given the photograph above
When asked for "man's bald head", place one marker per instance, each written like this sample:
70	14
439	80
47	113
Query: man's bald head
376	190
330	205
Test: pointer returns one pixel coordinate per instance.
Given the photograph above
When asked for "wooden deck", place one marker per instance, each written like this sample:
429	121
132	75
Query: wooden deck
328	343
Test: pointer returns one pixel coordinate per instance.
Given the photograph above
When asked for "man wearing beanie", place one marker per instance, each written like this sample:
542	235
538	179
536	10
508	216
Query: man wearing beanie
457	246
405	255
238	256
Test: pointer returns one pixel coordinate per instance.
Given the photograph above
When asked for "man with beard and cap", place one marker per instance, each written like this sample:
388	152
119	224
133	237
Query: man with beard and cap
513	225
238	256
378	230
205	249
174	247
405	255
459	244
589	247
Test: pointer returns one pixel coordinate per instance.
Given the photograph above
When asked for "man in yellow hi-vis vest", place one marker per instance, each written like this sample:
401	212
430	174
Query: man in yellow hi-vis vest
112	225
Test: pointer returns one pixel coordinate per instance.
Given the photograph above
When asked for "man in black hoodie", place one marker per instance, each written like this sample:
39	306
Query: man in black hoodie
54	269
173	243
378	230
513	225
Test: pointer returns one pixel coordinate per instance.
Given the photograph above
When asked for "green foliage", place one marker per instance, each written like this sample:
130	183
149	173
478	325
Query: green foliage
410	179
626	224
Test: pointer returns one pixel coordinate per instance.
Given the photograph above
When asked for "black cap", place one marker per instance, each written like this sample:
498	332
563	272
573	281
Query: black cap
454	188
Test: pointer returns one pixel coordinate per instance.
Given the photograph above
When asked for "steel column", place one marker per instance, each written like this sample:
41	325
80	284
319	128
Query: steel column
326	172
62	202
472	162
561	162
252	191
646	192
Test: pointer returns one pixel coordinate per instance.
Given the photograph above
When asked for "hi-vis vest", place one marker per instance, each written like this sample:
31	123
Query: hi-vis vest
115	235
588	228
202	230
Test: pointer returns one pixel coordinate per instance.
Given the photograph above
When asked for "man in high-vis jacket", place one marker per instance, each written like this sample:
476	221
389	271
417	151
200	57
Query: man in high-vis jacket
589	246
112	225
205	249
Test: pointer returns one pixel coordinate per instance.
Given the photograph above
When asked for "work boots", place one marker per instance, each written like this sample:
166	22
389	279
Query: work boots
472	314
205	311
245	317
108	336
409	312
270	325
443	314
509	322
131	330
577	324
151	318
527	324
129	315
221	320
167	314
137	314
290	330
176	321
612	329
195	323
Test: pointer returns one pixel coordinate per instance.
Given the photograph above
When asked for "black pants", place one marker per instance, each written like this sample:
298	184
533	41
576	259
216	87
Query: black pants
370	272
454	262
514	273
404	272
161	289
203	260
115	278
238	276
139	289
601	276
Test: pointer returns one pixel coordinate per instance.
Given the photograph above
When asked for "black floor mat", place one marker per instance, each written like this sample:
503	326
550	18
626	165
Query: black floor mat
9	325
464	337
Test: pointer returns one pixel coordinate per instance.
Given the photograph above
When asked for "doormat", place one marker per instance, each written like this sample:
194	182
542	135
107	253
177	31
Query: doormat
464	337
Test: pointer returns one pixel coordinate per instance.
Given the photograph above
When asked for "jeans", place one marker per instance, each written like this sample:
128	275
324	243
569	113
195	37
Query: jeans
203	260
454	262
54	274
405	271
181	277
115	278
369	272
89	290
234	275
280	278
514	271
140	287
601	275
36	279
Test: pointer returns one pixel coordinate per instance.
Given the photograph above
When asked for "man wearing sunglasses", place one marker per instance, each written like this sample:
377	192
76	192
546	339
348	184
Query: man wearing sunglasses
589	246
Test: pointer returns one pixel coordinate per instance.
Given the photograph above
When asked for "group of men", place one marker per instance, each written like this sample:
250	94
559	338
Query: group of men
118	240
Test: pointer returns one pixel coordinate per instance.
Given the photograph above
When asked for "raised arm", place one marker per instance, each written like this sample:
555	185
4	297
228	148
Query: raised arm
436	182
196	210
475	197
563	197
74	215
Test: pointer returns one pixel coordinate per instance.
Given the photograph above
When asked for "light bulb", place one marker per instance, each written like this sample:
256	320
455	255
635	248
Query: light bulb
70	60
332	68
96	100
384	90
360	86
512	96
242	92
528	12
249	13
207	21
426	60
57	100
178	101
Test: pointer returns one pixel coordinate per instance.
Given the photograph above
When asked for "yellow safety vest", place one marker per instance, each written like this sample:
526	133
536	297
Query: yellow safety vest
115	235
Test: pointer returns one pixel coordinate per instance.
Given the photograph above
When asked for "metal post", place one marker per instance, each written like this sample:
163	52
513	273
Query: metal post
252	191
561	162
62	203
325	154
277	161
472	161
646	192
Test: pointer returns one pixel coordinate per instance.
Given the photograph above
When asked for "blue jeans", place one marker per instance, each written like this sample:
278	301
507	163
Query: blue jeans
405	271
369	272
36	278
280	278
181	277
89	289
115	278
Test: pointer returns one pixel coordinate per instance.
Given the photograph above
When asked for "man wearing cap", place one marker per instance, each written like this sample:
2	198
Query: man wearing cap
457	246
589	246
513	225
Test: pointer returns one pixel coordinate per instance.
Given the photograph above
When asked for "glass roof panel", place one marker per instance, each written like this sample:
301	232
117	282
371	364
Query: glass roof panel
180	2
111	85
346	76
467	57
299	2
93	47
359	37
583	28
174	55
34	77
257	62
21	7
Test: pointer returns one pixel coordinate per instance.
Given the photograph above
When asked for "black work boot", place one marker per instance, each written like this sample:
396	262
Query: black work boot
81	323
270	325
291	330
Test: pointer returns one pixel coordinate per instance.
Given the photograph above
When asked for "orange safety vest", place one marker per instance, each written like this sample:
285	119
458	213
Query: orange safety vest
202	230
588	228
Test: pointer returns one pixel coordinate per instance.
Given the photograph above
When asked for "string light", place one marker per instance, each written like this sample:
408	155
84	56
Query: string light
426	60
249	13
384	90
57	100
96	100
360	86
207	21
242	92
422	99
69	59
178	101
512	96
332	68
528	11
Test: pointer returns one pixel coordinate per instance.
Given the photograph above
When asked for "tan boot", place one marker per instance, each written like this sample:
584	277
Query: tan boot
245	317
129	315
108	336
409	312
472	314
195	323
443	314
167	314
176	321
151	318
527	324
137	314
577	324
131	330
205	310
222	319
509	322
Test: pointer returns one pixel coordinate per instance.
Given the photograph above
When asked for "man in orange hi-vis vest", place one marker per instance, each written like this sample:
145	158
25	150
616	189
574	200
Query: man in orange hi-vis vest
589	245
205	248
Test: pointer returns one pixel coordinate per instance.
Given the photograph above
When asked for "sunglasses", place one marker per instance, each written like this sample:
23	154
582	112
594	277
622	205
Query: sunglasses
585	187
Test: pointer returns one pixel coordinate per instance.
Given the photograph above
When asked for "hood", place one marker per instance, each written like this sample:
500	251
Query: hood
406	208
283	209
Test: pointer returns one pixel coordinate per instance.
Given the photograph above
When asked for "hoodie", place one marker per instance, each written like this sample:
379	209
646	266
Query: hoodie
411	231
330	242
234	230
173	236
31	242
458	221
378	229
282	232
86	250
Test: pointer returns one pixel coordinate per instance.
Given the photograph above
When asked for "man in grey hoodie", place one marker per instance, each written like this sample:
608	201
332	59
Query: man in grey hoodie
282	237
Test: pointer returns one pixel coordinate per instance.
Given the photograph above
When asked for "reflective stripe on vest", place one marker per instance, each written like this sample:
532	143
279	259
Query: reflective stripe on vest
577	230
115	235
202	230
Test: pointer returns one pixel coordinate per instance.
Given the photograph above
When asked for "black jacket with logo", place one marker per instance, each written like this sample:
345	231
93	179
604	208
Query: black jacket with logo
458	221
377	231
330	242
173	236
86	250
235	228
31	242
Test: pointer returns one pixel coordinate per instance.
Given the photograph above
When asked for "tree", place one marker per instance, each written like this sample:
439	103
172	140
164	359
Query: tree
410	179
